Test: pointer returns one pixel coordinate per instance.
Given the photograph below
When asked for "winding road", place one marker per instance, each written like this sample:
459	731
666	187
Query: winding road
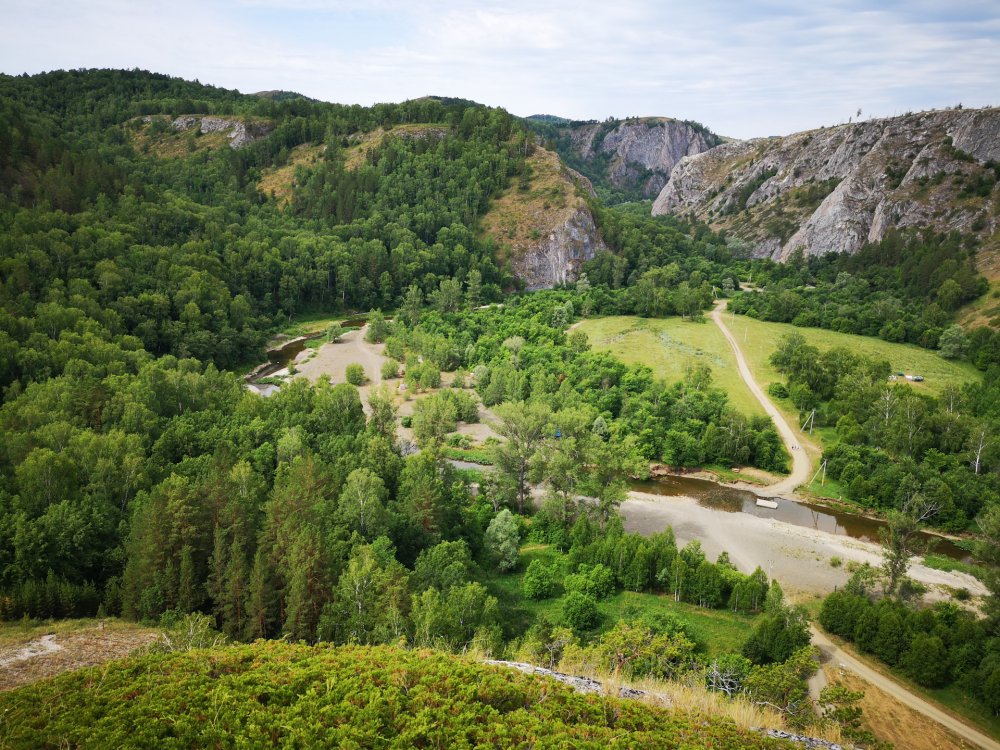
831	652
801	469
801	466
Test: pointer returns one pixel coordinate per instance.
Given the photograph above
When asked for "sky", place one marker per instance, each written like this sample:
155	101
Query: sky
744	69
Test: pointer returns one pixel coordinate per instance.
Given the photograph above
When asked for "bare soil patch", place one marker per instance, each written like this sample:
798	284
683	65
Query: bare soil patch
29	655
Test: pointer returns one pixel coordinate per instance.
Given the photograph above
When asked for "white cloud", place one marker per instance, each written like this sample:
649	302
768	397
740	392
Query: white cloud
747	69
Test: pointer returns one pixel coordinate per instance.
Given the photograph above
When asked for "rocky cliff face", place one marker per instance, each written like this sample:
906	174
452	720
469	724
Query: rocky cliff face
240	133
836	188
632	159
542	225
556	258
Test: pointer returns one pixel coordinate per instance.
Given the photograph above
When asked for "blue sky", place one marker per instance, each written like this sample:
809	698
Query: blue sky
745	69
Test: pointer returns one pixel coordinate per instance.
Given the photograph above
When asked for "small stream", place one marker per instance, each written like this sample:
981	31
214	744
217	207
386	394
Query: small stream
807	515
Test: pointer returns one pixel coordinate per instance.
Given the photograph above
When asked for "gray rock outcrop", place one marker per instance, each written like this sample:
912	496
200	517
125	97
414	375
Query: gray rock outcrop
641	153
556	258
587	685
240	133
583	685
835	189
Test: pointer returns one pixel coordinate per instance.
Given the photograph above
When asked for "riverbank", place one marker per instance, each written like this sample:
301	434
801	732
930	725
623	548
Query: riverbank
798	557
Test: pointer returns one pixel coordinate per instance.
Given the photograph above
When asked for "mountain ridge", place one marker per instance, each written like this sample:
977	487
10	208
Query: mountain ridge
835	189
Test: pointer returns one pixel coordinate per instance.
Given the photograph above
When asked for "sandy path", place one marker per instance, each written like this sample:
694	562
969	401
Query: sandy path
845	660
801	466
51	654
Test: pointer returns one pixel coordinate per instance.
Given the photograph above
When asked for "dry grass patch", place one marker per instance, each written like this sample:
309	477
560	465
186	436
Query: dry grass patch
364	143
29	654
279	181
534	204
178	144
893	722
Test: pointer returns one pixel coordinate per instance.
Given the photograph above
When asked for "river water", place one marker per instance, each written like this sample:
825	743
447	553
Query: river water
734	500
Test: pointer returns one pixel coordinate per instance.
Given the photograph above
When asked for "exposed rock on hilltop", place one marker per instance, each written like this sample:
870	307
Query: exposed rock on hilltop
177	137
542	224
240	133
836	188
633	157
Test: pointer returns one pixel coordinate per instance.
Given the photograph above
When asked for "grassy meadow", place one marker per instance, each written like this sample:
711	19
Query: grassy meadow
671	346
719	630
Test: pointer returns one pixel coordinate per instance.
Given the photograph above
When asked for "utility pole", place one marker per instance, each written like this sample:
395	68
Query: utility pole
820	469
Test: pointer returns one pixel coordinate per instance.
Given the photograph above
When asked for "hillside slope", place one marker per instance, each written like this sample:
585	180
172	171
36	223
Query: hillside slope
542	225
273	694
834	189
626	159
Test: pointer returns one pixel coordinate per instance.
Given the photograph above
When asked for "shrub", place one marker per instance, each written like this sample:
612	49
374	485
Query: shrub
334	333
926	660
355	374
540	580
390	369
502	540
378	328
579	611
597	582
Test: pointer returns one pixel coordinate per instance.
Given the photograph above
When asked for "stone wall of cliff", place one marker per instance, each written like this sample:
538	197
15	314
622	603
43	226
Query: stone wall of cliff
542	225
634	156
836	188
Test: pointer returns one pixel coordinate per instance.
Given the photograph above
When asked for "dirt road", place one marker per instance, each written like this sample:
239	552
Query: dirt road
844	660
801	471
801	466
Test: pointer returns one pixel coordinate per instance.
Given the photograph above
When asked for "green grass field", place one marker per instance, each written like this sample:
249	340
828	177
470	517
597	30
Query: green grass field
758	340
720	631
670	346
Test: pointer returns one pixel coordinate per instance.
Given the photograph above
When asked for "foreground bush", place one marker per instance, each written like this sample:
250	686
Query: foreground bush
273	694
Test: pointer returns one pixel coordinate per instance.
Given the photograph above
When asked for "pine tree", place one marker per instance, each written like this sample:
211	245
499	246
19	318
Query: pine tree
217	564
308	588
237	576
262	599
188	590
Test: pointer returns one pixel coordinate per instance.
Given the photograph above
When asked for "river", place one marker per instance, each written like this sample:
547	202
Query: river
728	499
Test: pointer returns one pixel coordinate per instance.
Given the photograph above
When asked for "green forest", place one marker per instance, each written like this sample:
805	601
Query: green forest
140	478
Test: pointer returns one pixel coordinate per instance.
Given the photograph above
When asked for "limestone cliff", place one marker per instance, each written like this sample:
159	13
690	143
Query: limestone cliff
542	225
631	157
834	189
240	132
168	137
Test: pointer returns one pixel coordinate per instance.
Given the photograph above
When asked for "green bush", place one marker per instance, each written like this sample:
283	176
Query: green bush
334	333
595	581
274	694
390	369
355	374
541	581
777	390
579	612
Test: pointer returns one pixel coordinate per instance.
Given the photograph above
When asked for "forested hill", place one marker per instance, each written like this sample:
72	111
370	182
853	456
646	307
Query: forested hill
179	251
